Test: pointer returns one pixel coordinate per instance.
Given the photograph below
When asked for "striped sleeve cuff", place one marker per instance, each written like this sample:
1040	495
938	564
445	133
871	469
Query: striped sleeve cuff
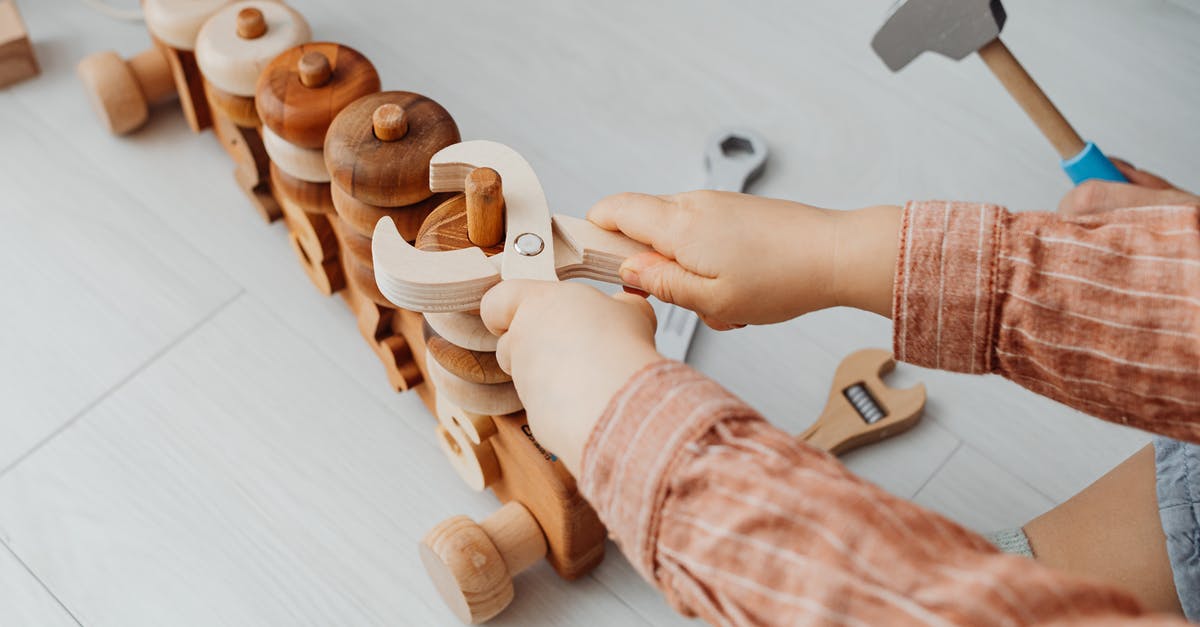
629	456
944	299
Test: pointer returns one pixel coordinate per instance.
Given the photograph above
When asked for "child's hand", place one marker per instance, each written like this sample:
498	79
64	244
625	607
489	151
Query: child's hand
737	259
569	349
1143	190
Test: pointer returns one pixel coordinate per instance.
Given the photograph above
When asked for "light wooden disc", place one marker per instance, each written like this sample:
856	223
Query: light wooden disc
178	22
388	173
474	366
492	400
464	329
300	114
305	164
362	217
233	63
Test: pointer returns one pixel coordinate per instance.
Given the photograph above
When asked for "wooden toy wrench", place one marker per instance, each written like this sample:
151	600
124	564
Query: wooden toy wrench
862	409
537	246
734	158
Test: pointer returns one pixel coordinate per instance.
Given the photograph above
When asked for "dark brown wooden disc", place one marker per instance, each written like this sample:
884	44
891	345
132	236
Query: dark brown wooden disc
469	365
446	229
387	173
362	217
301	115
309	196
239	109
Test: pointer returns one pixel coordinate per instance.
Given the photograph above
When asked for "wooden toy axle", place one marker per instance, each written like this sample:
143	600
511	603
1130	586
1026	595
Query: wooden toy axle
17	61
123	91
473	564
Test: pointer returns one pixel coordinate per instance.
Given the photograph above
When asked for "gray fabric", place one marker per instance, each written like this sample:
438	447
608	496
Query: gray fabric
1013	541
1178	470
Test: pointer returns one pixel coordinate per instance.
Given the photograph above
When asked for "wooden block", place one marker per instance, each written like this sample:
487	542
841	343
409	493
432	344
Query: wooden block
189	86
252	166
313	230
17	61
326	276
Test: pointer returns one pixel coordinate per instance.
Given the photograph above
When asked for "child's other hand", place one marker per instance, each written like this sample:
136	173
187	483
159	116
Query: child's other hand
1143	190
570	349
737	259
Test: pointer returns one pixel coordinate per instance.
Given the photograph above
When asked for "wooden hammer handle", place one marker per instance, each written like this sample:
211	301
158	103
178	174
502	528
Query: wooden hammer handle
1032	99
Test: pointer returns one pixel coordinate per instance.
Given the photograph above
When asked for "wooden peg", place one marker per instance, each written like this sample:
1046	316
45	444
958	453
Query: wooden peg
251	24
861	408
390	122
473	565
314	69
121	91
17	62
485	207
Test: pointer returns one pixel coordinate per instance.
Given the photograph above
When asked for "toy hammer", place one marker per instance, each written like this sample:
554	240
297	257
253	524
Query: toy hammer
956	28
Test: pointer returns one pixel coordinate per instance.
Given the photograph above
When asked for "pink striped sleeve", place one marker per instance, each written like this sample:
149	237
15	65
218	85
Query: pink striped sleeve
740	524
1101	312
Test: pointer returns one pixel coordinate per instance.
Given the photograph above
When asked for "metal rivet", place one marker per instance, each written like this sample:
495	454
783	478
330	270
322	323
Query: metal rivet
529	245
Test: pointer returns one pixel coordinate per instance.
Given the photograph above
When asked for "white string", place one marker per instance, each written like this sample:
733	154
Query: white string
125	15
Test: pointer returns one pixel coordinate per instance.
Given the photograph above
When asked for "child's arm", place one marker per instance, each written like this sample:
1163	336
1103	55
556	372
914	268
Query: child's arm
1101	311
732	519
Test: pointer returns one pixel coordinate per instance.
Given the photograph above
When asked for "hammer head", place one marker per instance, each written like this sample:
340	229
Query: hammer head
954	28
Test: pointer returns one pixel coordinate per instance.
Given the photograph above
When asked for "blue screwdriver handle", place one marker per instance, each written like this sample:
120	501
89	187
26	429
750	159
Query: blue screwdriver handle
1090	164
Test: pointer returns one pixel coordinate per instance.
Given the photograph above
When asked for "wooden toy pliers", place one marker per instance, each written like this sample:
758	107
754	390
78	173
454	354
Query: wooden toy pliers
537	246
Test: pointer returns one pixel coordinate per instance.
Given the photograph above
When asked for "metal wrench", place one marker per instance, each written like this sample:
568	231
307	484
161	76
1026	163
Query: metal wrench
734	159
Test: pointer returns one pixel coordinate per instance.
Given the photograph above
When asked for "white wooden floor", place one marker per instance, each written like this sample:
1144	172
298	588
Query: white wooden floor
190	435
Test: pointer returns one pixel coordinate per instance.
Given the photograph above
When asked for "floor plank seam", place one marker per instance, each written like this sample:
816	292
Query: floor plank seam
124	380
41	583
939	468
1014	475
95	164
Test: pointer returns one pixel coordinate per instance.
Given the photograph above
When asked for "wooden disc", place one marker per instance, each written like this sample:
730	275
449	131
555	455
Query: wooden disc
303	163
446	229
381	173
362	217
301	115
490	400
474	366
233	63
311	197
360	272
239	109
178	22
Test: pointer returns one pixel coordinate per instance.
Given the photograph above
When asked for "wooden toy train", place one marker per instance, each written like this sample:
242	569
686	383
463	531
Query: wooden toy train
386	207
